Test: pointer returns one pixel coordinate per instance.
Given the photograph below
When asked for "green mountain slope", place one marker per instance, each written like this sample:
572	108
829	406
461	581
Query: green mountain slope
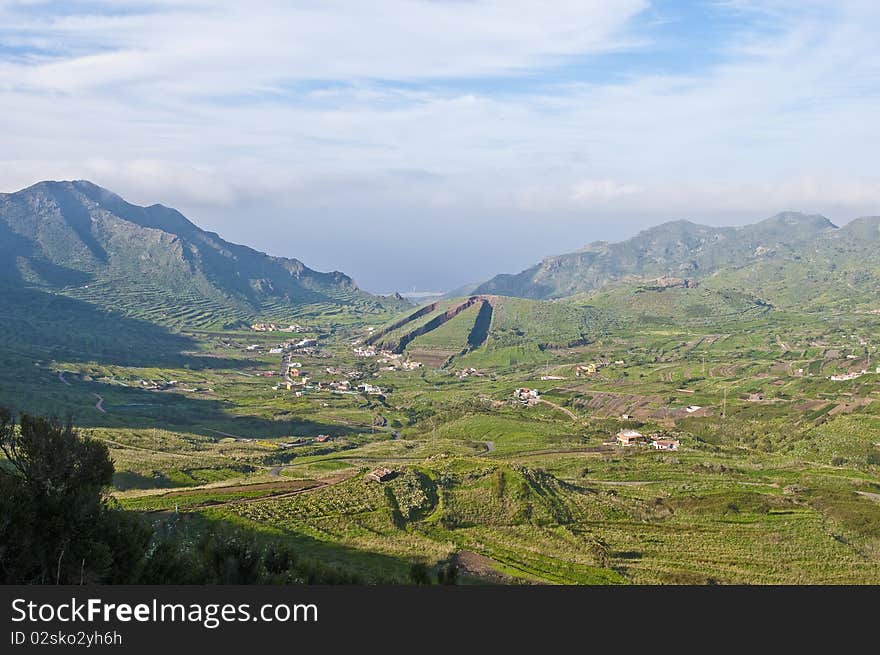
680	249
151	262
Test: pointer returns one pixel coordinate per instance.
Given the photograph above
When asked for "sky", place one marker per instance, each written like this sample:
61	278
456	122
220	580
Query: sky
426	144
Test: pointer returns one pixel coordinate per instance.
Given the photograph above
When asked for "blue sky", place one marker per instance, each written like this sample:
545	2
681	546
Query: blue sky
430	143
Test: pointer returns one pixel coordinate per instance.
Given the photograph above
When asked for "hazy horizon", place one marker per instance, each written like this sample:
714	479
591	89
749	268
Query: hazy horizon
433	144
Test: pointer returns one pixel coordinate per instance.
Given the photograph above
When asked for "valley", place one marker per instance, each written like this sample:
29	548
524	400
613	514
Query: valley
778	463
645	431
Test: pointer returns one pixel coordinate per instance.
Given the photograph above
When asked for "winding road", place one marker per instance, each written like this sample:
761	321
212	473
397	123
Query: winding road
100	404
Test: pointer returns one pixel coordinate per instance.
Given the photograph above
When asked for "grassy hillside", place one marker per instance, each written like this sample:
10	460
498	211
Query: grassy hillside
493	328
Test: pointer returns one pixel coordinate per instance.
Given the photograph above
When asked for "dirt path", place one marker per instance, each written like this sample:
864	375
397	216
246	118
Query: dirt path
275	471
183	455
480	566
868	494
226	434
100	404
573	416
326	482
588	451
61	377
285	489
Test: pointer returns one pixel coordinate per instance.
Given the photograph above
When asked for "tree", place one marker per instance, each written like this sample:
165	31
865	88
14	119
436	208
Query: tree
57	524
419	574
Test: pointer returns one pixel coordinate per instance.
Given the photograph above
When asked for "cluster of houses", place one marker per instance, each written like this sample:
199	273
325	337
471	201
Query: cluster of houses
297	385
628	438
850	376
594	367
409	365
527	396
275	327
161	385
301	384
365	351
351	375
394	361
338	386
303	343
304	346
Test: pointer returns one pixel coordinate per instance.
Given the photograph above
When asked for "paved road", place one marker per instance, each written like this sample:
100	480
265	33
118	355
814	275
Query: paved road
61	377
100	404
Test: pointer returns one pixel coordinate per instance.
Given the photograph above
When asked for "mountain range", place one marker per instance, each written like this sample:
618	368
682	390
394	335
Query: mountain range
88	243
84	242
791	260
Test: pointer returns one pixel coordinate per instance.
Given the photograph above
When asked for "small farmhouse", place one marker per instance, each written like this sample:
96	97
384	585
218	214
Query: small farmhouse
527	395
665	444
630	438
381	474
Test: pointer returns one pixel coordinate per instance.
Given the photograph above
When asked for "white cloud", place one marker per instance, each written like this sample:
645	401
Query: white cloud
443	115
204	47
586	191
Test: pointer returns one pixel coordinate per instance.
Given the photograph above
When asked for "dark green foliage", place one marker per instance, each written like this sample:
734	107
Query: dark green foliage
419	574
447	572
56	525
225	554
397	517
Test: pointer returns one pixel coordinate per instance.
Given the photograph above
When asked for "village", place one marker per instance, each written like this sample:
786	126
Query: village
593	388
